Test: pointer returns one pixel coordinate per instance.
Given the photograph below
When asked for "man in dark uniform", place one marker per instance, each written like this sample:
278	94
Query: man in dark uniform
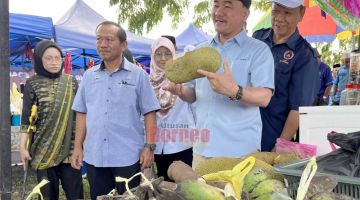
326	81
296	72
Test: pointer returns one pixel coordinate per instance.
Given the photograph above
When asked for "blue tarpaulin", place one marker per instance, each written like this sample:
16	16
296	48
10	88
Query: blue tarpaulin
75	32
191	36
25	32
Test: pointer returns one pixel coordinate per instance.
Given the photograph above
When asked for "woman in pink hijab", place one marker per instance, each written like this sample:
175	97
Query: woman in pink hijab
175	120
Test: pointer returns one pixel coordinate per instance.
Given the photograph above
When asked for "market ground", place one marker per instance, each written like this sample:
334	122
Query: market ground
17	183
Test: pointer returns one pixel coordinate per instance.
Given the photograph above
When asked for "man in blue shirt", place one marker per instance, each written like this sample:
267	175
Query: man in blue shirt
296	72
109	104
228	101
334	72
322	97
342	78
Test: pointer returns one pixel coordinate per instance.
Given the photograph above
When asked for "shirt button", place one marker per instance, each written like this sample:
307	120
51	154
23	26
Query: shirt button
105	113
105	140
109	88
107	100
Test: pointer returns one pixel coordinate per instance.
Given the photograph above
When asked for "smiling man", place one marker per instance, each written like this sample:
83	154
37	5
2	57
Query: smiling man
228	101
111	99
296	72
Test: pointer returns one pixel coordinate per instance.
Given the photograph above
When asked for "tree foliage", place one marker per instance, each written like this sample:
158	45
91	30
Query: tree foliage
143	15
331	56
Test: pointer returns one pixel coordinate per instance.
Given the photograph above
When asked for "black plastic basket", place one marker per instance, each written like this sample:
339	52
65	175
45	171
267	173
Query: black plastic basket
349	186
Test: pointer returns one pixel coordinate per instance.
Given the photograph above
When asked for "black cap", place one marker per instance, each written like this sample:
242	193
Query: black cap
246	3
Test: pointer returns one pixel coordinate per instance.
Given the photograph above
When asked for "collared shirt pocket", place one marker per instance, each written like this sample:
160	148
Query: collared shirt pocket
125	91
96	86
240	69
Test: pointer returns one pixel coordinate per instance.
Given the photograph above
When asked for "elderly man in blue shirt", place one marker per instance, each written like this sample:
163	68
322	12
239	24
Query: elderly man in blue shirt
228	101
296	72
109	104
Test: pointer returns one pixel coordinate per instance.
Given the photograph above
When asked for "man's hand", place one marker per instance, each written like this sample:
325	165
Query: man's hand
174	88
221	83
146	158
77	158
185	93
25	157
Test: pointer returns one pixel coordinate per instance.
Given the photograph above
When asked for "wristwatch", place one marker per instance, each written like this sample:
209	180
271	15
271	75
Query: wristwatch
238	94
152	147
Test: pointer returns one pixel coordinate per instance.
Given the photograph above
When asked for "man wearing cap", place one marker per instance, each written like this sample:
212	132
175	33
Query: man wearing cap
342	78
228	101
296	72
326	81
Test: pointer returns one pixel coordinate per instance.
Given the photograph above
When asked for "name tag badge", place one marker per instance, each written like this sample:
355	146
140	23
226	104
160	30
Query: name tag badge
288	55
126	82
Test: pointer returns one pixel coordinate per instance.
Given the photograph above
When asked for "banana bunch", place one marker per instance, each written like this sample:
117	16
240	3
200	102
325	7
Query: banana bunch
15	100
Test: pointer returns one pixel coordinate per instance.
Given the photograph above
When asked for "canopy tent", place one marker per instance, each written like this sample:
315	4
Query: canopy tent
191	36
25	32
316	26
320	26
75	32
346	13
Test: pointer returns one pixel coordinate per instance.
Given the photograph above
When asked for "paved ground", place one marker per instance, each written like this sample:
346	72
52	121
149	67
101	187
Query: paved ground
18	172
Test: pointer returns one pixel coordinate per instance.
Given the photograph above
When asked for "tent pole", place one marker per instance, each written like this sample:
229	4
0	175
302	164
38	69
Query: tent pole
84	59
5	133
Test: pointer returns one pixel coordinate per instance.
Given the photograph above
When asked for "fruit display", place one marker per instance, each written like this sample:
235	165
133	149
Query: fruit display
248	178
184	69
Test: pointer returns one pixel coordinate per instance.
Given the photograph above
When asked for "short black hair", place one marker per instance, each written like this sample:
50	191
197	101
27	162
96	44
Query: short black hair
121	32
337	65
128	55
246	3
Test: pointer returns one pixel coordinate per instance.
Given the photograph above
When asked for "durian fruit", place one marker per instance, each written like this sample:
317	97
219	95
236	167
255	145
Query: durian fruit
184	69
216	164
267	157
286	158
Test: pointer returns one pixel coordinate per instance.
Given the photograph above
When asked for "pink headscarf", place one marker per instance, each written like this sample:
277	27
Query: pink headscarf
158	79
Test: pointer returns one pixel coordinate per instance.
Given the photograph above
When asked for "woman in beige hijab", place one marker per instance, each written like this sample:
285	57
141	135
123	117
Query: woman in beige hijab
175	120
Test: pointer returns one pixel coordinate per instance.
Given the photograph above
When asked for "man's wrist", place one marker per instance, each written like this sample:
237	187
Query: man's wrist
152	146
180	91
238	95
78	147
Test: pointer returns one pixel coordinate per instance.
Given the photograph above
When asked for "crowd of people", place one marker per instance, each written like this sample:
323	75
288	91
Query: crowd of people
121	120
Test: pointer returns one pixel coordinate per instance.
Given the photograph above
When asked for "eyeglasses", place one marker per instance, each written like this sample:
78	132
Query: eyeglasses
167	54
52	59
